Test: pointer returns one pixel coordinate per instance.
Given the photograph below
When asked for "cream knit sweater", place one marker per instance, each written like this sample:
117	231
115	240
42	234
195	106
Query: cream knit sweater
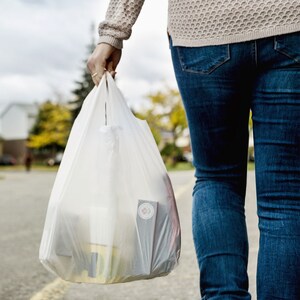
206	22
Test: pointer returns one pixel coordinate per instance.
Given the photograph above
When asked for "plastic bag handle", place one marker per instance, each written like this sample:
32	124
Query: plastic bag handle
104	80
110	81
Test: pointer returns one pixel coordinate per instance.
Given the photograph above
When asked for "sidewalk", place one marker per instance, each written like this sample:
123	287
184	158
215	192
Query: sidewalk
182	283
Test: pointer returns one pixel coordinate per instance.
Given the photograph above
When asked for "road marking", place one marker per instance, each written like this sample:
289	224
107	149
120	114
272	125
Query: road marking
57	288
52	291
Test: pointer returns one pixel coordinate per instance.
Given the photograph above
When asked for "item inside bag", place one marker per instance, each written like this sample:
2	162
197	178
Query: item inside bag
102	260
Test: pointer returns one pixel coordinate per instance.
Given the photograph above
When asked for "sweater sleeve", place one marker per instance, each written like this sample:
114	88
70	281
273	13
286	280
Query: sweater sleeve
120	17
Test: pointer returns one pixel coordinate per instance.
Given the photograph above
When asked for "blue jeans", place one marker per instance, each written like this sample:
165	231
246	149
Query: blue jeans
219	85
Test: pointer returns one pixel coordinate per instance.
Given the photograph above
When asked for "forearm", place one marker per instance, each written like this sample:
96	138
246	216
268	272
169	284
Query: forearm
120	17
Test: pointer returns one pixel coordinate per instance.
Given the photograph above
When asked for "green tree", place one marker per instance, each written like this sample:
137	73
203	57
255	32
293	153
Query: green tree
52	127
84	86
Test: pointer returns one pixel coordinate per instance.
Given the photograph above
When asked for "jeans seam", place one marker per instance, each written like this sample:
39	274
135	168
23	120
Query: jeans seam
255	53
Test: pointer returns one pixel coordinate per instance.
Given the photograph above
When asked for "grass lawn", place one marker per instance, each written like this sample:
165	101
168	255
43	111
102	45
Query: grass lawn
251	166
182	166
34	167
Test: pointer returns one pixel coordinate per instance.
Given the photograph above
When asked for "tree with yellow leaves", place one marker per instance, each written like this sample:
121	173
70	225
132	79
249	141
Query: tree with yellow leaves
166	114
52	127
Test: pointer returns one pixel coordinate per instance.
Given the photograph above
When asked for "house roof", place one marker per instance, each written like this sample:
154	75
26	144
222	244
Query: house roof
30	108
3	107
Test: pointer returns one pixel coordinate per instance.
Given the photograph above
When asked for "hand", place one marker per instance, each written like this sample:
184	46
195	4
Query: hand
104	57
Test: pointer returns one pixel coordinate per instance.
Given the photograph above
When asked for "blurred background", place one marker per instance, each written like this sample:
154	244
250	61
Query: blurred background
44	46
44	80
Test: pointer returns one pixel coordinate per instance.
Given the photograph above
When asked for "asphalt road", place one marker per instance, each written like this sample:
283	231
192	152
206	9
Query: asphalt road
23	204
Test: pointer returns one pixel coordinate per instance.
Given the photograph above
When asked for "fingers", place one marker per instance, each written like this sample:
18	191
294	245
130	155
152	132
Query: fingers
111	70
105	57
96	70
115	59
99	72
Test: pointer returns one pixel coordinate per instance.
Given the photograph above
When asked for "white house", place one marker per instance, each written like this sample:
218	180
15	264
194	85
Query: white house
16	121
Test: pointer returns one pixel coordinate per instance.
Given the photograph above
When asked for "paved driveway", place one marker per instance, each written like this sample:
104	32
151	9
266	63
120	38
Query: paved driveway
23	203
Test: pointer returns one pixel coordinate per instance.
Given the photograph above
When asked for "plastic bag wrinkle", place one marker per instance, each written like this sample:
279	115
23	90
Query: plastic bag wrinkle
112	214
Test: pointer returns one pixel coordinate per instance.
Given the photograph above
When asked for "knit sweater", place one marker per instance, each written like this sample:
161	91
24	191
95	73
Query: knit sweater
206	22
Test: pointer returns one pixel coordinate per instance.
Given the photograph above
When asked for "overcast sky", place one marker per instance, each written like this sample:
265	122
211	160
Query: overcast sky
43	46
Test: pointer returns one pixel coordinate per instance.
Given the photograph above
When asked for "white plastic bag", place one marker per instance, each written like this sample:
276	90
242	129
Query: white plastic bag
112	215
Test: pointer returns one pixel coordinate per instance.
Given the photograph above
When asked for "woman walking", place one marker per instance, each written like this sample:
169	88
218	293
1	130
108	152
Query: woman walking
229	57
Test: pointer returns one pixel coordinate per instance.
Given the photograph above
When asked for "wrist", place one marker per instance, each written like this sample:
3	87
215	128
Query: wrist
117	43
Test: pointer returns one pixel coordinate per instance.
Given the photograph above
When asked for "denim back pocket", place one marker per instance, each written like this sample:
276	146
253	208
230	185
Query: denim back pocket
289	45
203	60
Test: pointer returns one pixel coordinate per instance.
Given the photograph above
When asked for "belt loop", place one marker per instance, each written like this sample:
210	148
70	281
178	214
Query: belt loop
255	52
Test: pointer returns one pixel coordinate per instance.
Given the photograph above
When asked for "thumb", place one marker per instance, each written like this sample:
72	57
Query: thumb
110	69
